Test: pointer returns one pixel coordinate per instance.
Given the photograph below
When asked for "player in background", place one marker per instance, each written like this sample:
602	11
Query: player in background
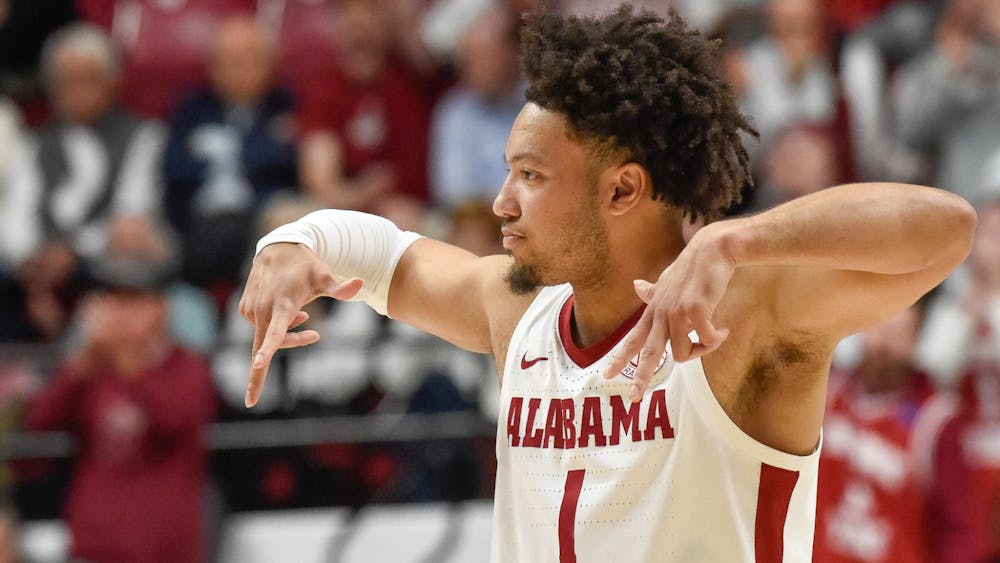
703	451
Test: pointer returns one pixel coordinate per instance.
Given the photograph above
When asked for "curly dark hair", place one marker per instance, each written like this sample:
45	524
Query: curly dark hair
650	90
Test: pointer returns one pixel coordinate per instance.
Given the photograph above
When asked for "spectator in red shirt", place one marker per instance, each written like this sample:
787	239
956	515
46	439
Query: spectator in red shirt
365	122
962	457
137	406
870	502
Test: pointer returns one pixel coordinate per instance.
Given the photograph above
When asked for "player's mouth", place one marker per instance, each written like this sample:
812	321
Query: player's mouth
510	238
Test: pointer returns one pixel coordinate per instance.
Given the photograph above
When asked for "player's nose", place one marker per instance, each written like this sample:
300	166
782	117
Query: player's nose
505	204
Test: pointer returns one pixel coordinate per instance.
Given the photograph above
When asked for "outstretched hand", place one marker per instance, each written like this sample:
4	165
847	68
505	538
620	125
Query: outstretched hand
283	279
679	310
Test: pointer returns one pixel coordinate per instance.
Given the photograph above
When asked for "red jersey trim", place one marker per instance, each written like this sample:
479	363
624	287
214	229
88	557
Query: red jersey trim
774	493
585	357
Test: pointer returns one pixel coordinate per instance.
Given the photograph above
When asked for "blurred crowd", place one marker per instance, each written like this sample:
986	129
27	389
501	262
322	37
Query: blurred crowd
146	144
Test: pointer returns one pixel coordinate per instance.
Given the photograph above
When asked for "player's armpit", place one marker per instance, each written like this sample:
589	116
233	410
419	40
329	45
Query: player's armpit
453	294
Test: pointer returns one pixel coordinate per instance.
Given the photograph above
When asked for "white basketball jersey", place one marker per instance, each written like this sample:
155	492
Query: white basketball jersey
585	476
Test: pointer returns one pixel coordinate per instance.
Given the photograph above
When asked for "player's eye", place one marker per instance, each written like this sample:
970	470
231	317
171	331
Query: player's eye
528	175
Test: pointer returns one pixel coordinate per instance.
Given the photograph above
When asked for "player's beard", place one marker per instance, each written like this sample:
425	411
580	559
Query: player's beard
584	236
522	278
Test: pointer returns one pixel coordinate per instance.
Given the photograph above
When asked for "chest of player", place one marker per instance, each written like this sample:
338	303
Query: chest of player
549	401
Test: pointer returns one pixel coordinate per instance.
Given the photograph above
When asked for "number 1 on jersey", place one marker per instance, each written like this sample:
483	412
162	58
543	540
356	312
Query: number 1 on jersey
567	516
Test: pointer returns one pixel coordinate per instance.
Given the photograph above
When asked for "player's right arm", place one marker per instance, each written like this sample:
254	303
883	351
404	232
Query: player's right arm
434	286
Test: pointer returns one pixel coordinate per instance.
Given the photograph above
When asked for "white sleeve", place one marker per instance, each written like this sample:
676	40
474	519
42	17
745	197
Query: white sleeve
354	244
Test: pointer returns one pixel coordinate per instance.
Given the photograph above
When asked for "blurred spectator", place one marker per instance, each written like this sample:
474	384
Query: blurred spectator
231	145
961	345
9	550
164	44
92	160
192	315
471	124
947	100
798	161
868	58
365	121
870	503
137	405
787	77
963	324
961	462
476	228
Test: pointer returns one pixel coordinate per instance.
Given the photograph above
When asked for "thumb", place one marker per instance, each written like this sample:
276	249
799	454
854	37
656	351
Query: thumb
345	289
644	290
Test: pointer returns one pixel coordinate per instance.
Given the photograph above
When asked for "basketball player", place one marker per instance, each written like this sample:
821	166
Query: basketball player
615	447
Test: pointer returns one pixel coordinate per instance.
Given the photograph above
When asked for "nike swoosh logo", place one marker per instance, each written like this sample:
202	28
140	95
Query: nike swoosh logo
526	363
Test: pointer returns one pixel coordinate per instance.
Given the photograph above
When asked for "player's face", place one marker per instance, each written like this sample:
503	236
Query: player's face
550	205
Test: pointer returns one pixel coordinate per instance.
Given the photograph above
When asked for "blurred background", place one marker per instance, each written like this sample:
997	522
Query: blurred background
146	144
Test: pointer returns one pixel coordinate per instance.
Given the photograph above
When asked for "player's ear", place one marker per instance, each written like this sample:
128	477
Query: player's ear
629	184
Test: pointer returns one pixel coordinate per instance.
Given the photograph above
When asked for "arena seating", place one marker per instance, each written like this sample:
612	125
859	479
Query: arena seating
412	533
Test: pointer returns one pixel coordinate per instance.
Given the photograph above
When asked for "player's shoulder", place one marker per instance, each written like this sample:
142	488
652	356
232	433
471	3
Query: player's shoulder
503	305
504	308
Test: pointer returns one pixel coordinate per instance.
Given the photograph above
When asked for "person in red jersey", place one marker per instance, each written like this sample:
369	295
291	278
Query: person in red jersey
365	121
871	502
611	445
137	406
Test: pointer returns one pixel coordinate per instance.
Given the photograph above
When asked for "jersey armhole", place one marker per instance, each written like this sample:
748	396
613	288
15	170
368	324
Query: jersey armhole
715	417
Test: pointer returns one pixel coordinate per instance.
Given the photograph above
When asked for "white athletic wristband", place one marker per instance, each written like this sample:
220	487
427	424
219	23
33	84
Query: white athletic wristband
354	244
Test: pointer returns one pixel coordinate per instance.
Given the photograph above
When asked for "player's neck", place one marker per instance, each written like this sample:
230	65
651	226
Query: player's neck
599	308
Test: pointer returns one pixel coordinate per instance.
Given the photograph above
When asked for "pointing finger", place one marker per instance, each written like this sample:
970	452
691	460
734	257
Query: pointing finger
631	346
649	357
276	328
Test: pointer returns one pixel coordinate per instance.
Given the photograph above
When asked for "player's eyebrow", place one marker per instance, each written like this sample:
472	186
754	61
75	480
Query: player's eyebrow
526	155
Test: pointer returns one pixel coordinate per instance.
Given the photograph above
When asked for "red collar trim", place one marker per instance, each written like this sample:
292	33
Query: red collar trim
585	357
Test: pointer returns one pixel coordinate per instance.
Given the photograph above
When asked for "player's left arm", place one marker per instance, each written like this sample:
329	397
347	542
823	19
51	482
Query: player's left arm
840	260
825	265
